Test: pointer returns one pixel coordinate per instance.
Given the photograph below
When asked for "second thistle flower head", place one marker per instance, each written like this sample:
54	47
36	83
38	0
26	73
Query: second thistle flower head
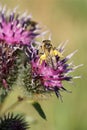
51	67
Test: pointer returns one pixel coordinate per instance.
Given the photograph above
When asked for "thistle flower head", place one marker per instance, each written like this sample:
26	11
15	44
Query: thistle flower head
51	67
13	122
16	33
16	29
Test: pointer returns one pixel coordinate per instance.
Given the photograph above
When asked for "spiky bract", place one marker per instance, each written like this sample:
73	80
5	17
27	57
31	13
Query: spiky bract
13	122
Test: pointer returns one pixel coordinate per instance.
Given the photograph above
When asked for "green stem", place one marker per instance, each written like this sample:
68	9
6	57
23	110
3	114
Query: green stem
18	102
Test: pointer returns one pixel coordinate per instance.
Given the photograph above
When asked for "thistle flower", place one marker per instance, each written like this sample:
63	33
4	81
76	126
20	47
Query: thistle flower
16	33
16	29
13	122
50	67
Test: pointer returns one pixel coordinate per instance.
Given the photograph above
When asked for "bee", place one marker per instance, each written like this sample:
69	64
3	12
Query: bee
49	54
31	25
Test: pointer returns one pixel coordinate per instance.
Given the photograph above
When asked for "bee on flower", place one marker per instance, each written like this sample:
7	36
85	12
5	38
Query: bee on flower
49	54
50	66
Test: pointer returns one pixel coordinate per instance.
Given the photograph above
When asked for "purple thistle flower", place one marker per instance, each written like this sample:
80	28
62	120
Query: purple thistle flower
16	29
51	67
17	32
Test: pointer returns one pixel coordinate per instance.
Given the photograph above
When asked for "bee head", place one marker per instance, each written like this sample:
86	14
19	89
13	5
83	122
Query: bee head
47	44
33	23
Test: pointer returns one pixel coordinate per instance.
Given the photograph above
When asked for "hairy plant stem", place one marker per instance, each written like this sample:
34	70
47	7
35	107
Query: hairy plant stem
14	105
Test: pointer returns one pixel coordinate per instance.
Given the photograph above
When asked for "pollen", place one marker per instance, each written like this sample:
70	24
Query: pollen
57	53
42	58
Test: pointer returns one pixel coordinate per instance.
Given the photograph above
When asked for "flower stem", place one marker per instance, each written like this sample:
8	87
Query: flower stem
14	105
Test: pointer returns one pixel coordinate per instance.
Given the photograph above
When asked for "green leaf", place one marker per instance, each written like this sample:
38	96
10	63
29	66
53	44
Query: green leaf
39	109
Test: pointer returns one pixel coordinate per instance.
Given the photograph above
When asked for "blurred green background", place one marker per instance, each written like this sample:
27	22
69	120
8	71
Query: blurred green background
65	19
